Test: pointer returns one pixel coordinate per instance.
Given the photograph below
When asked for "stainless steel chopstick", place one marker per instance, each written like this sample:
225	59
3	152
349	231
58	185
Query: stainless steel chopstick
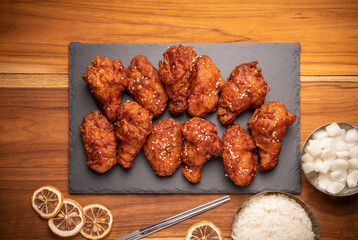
175	219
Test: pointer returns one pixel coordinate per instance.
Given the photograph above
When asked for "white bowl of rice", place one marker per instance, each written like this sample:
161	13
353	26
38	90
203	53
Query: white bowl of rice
274	215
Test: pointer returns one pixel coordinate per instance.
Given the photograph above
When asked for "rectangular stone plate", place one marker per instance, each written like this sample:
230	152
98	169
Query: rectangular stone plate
280	63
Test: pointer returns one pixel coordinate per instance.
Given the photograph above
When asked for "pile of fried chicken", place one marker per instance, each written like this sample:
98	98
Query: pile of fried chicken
191	83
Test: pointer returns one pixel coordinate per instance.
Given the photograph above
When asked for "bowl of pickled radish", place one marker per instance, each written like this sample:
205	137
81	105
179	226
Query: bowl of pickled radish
330	159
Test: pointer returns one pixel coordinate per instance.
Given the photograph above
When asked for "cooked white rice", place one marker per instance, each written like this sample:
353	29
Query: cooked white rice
272	216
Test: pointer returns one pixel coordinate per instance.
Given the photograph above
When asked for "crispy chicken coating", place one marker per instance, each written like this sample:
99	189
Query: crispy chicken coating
163	147
239	155
201	142
145	86
132	128
246	88
174	71
99	141
268	125
106	80
193	160
205	86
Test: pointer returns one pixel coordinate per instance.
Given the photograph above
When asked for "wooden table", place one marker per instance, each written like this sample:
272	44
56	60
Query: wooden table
34	38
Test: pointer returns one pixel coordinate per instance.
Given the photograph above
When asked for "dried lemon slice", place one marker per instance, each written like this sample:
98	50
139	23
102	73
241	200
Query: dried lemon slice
98	221
47	201
204	231
69	221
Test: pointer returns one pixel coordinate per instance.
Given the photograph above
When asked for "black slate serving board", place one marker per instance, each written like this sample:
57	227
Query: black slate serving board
280	63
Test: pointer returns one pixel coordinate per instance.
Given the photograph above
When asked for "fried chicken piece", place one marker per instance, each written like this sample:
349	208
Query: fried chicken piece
246	88
132	128
145	86
268	125
163	147
106	80
201	142
174	72
205	86
99	141
239	155
193	160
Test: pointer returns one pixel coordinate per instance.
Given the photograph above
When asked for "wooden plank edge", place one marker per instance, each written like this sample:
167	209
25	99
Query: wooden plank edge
305	79
61	80
33	81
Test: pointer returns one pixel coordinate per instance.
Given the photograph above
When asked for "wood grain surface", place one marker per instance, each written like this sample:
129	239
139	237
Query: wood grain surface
34	38
35	34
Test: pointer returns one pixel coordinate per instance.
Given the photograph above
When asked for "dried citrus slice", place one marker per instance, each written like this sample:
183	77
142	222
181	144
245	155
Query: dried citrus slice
204	231
98	221
47	201
69	221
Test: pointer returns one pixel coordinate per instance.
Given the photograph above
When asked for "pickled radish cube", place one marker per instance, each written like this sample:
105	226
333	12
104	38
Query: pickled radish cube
352	179
341	146
339	165
320	134
311	141
333	130
353	163
326	165
354	174
307	157
327	143
351	183
330	159
314	149
335	187
336	175
323	183
353	152
323	175
342	155
350	144
317	164
343	179
341	136
351	135
327	153
308	167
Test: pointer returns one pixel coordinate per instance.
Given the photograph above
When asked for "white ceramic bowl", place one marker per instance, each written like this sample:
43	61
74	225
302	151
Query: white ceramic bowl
312	176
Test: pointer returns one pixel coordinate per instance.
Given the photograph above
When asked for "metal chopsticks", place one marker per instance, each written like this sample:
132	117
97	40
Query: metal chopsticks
174	220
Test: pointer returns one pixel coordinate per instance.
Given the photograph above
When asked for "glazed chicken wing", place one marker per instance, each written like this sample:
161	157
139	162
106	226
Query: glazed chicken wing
106	80
268	125
175	71
239	155
205	86
132	128
246	88
193	160
201	142
163	147
99	141
145	86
